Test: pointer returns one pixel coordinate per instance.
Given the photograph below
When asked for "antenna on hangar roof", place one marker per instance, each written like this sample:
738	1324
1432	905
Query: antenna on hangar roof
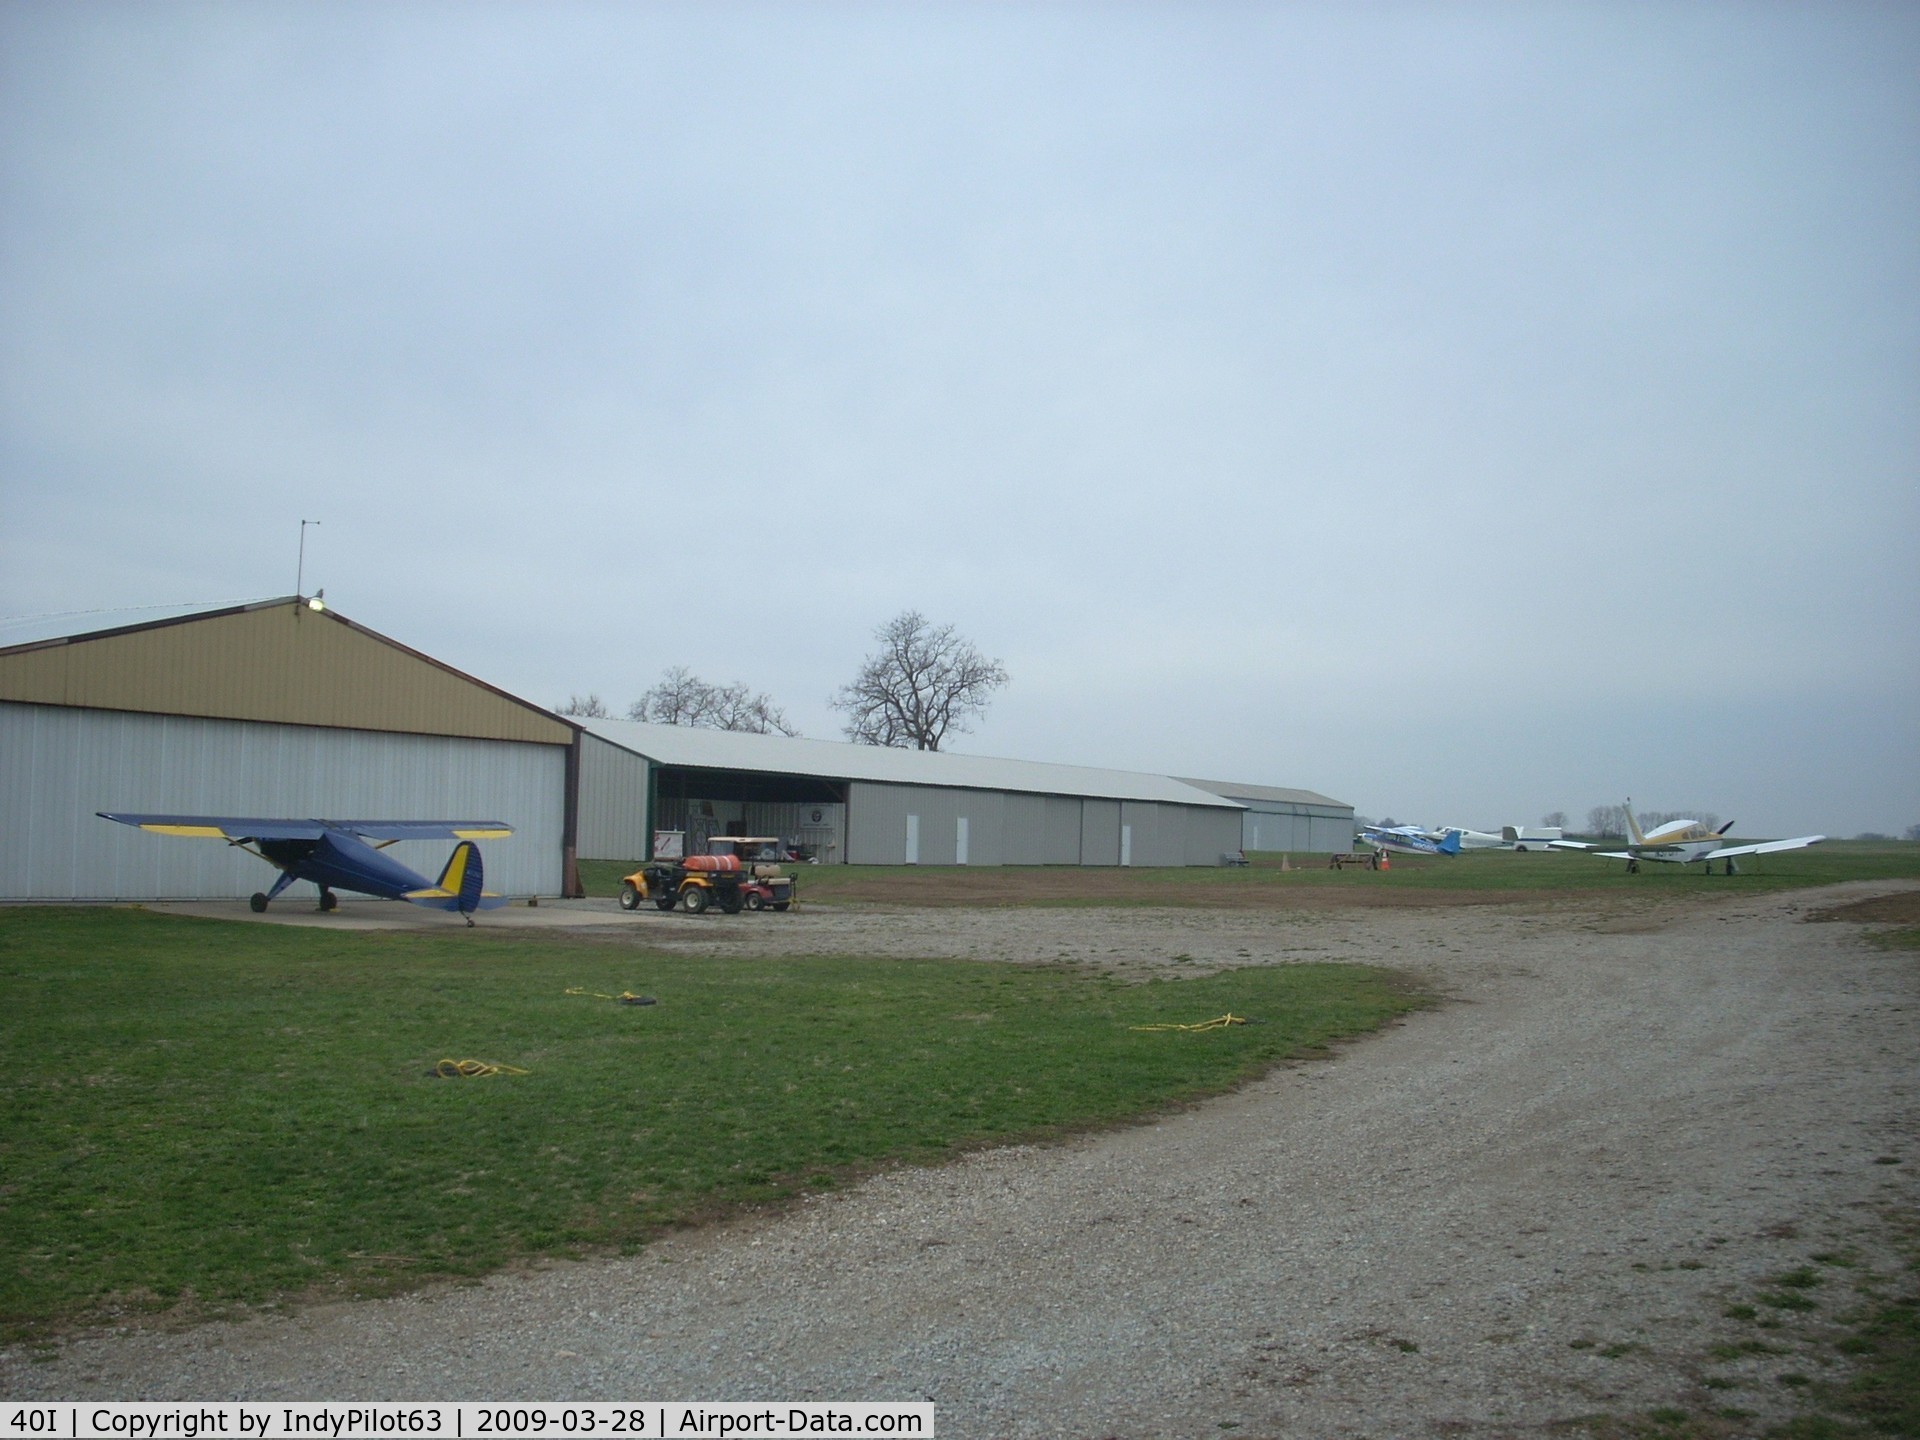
300	575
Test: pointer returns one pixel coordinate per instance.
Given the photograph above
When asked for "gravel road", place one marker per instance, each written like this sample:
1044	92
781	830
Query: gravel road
1530	1203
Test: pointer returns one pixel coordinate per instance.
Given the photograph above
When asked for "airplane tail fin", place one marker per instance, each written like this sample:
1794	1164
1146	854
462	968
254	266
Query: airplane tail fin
1451	845
460	884
463	875
1633	825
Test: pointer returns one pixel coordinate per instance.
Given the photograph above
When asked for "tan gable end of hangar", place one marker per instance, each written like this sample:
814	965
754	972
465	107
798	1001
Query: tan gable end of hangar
278	661
274	709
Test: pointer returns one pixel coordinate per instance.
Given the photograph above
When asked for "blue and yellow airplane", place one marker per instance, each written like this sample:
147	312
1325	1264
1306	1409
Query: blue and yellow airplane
339	855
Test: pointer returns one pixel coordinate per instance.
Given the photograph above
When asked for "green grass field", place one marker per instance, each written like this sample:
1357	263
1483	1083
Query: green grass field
200	1112
1493	875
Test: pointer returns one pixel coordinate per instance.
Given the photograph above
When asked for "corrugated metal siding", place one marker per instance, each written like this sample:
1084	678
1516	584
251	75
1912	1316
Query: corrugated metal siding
282	663
1099	832
1030	829
58	765
1330	835
1299	829
613	802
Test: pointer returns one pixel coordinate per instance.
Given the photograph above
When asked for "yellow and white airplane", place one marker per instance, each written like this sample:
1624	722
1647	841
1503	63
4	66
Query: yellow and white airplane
1681	842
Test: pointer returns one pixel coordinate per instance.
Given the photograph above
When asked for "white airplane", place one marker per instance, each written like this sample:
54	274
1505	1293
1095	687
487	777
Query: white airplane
1681	842
1511	837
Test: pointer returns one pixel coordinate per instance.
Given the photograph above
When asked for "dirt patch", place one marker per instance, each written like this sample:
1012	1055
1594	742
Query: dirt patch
1900	909
1114	886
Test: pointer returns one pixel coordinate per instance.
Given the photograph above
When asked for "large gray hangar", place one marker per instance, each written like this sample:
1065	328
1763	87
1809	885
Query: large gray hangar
273	709
867	805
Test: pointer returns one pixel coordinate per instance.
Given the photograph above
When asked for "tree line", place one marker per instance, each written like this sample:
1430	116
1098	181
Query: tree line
925	683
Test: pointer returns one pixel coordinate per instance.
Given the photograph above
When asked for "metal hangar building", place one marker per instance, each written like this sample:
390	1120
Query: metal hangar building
277	708
868	805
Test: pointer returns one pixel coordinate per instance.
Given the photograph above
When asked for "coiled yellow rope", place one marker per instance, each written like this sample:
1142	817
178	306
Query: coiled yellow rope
1218	1023
625	997
473	1070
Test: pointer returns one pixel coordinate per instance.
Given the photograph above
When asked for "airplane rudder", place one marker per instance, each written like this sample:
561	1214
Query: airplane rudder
472	874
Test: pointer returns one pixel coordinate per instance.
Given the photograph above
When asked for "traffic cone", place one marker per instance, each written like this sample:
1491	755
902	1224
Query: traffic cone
1386	862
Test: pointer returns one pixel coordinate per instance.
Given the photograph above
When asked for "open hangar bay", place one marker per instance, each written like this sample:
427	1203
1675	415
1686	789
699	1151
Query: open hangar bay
284	707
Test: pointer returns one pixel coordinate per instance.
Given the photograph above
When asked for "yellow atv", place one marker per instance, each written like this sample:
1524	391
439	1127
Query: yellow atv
736	877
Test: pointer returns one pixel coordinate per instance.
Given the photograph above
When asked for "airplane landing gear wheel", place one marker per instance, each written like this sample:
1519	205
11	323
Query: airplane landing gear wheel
258	903
328	901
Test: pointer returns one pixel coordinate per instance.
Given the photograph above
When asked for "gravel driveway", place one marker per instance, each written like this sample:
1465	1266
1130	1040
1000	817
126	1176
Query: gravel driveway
1530	1203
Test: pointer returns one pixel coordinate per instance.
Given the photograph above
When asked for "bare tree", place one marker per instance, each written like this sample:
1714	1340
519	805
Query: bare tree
683	698
1605	820
1554	819
925	683
589	707
678	699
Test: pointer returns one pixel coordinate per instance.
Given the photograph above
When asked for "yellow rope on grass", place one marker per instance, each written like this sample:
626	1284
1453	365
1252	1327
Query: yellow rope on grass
473	1070
1218	1023
625	997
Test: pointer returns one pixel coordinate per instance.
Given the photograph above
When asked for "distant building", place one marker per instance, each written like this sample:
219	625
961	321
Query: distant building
1298	821
870	805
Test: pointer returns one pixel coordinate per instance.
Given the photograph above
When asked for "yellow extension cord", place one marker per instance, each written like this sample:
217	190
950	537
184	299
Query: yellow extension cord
625	997
1218	1023
473	1070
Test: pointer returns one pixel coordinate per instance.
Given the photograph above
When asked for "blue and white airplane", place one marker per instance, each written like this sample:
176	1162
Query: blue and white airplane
1411	839
337	855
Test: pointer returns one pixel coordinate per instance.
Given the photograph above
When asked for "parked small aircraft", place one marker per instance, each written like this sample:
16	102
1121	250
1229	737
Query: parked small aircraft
337	855
1411	839
1681	842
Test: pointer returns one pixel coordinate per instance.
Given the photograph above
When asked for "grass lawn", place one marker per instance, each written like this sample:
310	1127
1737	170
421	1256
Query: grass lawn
199	1112
1478	876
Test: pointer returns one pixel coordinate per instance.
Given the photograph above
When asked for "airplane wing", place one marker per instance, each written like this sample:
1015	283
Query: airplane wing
241	827
222	827
425	829
1568	845
1768	847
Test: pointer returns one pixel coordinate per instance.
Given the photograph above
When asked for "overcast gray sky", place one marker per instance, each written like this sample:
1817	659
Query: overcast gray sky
1464	410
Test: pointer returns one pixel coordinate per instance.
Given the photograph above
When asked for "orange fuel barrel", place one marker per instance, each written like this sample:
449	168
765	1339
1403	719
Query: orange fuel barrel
722	863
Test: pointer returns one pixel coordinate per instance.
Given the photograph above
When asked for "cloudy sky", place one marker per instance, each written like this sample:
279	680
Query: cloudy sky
1464	410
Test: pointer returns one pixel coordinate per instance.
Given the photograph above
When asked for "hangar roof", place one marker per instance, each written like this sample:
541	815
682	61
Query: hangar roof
1233	790
700	749
286	660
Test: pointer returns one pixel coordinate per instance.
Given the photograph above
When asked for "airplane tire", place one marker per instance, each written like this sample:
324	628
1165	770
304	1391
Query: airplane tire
629	896
258	902
696	900
328	901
